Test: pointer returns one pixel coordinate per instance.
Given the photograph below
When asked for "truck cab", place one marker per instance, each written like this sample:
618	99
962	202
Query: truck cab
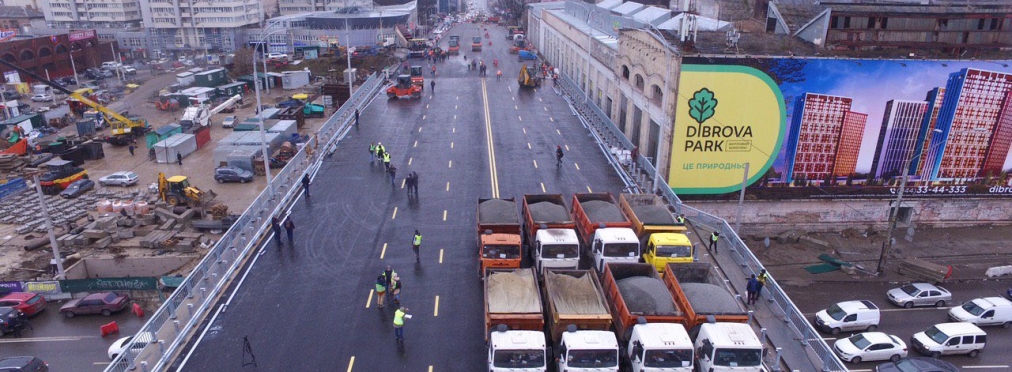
499	250
665	248
614	245
588	351
556	248
728	347
660	347
516	351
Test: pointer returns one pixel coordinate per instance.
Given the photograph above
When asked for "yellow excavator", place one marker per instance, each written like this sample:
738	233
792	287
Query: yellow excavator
528	77
176	190
124	130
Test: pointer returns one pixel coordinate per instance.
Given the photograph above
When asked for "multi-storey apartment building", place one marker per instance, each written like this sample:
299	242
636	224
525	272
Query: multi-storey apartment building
817	127
98	14
176	25
897	139
18	17
934	102
973	111
849	147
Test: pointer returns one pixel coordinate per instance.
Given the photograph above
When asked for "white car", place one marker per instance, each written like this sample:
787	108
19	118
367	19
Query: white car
870	346
277	56
119	347
125	178
42	98
229	121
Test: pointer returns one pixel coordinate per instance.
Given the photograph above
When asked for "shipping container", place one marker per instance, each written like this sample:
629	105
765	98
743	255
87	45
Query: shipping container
243	156
202	135
85	128
294	79
223	153
210	78
232	89
286	127
185	79
161	133
181	144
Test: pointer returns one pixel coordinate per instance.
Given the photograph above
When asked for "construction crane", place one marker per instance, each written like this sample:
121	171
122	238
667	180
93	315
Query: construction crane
123	129
201	114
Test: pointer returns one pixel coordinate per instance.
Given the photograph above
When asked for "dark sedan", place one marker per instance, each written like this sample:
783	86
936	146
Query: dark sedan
917	365
77	188
104	303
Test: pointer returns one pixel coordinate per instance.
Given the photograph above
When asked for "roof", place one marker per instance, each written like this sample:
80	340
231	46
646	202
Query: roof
856	305
957	328
628	8
611	234
796	13
670	239
608	4
736	335
7	11
175	179
993	301
512	340
877	337
652	15
556	235
664	335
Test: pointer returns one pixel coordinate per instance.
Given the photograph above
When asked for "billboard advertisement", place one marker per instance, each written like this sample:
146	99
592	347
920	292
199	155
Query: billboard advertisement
797	127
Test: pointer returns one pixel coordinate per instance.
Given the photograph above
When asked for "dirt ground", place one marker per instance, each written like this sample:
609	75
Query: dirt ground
16	264
970	252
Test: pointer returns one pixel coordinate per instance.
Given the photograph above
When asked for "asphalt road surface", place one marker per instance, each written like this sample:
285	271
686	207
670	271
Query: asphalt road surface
311	308
905	322
69	344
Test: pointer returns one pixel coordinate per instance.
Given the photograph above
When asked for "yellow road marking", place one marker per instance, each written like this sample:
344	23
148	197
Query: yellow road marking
351	363
368	302
451	145
567	146
519	118
589	190
426	105
515	107
416	144
556	131
545	107
540	100
402	183
420	130
454	117
577	165
454	107
435	311
528	145
440	255
395	214
444	215
543	187
535	90
451	164
384	251
493	171
447	185
423	117
410	159
525	130
430	368
513	98
551	119
454	130
535	164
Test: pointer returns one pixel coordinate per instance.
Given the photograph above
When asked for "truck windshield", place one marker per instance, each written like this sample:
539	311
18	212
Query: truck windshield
836	312
674	251
737	357
667	358
500	251
559	250
972	308
592	358
519	359
621	250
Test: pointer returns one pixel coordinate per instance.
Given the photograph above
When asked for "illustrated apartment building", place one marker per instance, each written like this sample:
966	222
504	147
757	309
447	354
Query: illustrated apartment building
824	139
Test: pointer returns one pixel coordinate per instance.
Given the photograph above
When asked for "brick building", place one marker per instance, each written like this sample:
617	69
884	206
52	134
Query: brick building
50	53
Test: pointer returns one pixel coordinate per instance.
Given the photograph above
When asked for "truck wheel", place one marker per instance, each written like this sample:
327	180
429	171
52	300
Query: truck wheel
973	353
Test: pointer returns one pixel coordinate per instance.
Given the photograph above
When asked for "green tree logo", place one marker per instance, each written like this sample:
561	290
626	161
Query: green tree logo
701	105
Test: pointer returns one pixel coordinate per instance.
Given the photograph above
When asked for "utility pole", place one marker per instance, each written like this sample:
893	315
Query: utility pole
741	201
49	227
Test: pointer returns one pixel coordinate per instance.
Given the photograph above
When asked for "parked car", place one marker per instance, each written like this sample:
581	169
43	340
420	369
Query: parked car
119	347
232	174
870	346
124	178
24	107
26	302
92	74
277	56
10	318
107	73
127	70
848	316
77	188
919	294
23	364
917	365
950	338
984	311
10	95
104	303
111	65
42	98
229	121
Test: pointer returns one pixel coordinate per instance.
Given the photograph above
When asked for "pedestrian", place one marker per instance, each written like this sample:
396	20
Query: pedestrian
395	290
392	170
386	160
131	149
432	85
388	275
305	184
381	290
399	316
498	75
433	70
558	155
416	243
680	219
179	158
763	276
414	183
290	230
751	288
409	181
356	118
714	236
372	152
379	150
276	228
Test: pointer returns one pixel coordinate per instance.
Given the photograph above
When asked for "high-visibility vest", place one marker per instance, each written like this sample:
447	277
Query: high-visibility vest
713	237
681	220
372	148
399	318
386	157
418	239
762	278
380	149
381	287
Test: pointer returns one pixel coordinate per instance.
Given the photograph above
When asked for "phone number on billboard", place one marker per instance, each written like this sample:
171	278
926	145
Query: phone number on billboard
932	190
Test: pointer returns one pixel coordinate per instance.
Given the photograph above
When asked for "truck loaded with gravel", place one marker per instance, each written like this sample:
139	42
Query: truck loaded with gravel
498	234
579	322
606	233
549	232
662	237
514	321
635	290
701	292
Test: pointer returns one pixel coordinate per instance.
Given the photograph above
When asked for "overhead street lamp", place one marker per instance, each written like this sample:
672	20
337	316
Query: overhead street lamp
260	111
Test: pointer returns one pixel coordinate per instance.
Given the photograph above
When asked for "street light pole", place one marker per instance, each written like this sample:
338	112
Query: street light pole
741	200
49	227
347	51
260	110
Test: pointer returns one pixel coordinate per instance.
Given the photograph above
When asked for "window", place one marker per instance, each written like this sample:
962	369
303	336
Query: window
846	22
639	82
884	21
871	23
653	139
636	120
625	72
980	24
657	94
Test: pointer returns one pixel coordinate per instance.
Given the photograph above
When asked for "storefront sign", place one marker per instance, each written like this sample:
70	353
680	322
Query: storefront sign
81	35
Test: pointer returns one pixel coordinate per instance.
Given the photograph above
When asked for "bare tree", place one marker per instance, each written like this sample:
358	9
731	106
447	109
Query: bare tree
242	63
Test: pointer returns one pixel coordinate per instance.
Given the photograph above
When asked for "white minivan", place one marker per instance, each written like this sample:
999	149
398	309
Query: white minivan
986	311
950	338
860	315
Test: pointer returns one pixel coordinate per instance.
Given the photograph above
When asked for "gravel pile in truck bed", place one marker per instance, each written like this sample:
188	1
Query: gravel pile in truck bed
710	299
573	295
512	292
654	215
497	211
602	211
548	212
646	296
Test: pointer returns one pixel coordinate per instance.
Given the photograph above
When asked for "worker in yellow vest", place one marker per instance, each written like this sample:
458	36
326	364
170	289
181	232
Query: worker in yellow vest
386	159
416	243
713	241
399	316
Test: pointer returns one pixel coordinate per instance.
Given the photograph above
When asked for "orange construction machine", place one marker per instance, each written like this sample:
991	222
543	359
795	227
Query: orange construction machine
404	88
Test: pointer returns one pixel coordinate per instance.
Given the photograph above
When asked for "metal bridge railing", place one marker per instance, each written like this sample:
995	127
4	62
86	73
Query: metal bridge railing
613	138
168	327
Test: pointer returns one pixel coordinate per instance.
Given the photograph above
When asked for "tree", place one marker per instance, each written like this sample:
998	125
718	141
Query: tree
242	63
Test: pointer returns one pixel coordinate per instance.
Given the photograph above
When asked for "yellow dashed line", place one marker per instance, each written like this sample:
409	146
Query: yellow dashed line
444	215
556	131
435	311
420	130
551	119
454	130
519	118
458	98
454	107
451	164
451	145
351	363
440	255
447	185
515	107
395	214
543	187
426	105
384	251
567	146
454	117
528	145
577	166
423	117
540	100
545	107
525	130
535	164
368	302
430	368
416	144
589	190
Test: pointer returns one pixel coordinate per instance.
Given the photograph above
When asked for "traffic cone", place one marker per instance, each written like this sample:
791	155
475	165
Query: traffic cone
109	329
138	311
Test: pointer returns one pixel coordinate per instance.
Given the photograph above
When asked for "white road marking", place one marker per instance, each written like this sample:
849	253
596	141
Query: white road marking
984	367
44	339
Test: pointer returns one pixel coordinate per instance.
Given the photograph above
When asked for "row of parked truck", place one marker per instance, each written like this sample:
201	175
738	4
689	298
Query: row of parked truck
637	309
634	228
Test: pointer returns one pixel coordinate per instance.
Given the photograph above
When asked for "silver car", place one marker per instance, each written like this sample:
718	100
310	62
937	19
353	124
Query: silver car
919	294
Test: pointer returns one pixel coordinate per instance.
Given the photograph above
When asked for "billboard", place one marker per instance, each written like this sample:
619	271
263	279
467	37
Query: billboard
808	127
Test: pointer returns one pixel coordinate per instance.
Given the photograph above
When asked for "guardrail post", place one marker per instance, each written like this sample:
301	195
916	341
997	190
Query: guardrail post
190	310
751	314
776	360
175	324
172	309
762	333
144	366
161	349
203	293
